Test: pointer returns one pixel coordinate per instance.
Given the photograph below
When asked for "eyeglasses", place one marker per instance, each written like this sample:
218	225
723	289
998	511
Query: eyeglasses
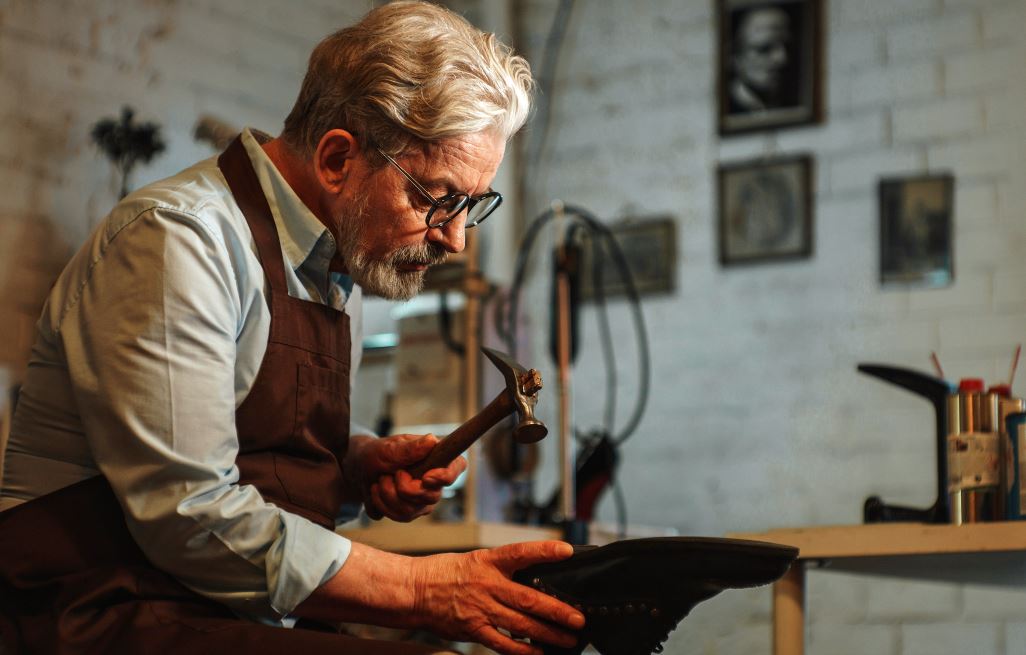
448	207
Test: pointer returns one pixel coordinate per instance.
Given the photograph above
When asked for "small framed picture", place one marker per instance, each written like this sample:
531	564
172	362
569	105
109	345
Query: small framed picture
649	248
916	227
765	210
770	64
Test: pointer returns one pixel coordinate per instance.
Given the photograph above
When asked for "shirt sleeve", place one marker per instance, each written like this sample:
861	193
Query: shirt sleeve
150	342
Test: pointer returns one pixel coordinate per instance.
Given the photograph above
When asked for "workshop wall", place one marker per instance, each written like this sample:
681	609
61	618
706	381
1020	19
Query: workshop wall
65	64
757	417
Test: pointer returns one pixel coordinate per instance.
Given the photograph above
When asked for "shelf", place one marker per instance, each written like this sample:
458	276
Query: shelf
880	539
425	536
979	553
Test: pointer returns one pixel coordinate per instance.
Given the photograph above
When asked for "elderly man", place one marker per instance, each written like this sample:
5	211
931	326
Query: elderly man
760	60
182	437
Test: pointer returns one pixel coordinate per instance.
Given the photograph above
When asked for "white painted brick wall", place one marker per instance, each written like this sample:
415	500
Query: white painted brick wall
830	639
938	120
976	203
983	70
895	82
937	36
902	600
65	64
757	417
1015	638
844	14
931	639
1004	22
989	604
860	172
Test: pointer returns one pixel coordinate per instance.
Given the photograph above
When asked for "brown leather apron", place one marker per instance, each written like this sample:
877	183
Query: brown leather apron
72	579
294	424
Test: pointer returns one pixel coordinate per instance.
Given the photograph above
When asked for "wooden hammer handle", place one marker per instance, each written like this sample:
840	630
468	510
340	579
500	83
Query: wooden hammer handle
465	435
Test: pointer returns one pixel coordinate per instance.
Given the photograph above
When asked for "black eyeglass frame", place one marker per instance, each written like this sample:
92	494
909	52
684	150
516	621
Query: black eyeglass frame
463	200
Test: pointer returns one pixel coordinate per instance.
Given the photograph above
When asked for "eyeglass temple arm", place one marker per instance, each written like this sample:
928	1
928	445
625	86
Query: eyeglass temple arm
409	177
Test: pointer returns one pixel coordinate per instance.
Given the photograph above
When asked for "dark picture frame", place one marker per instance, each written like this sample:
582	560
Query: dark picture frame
765	210
649	247
770	64
917	231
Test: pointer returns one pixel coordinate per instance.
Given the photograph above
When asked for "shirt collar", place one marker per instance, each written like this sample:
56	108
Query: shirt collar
298	229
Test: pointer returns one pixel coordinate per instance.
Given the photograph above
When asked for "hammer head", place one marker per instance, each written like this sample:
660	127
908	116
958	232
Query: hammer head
523	386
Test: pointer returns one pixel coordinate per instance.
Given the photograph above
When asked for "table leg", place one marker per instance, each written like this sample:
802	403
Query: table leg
789	612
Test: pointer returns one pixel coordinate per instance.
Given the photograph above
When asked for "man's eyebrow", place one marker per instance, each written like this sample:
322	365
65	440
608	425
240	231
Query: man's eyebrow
443	182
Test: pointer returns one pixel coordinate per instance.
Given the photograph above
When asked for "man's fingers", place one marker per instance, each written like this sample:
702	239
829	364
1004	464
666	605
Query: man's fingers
443	477
528	622
385	495
548	612
372	507
384	502
406	449
390	494
489	637
408	485
413	490
517	556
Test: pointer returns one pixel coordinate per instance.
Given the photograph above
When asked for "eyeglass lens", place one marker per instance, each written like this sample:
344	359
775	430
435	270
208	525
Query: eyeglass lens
453	205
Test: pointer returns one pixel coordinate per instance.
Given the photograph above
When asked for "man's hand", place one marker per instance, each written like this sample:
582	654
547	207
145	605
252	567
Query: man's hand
389	490
470	597
460	596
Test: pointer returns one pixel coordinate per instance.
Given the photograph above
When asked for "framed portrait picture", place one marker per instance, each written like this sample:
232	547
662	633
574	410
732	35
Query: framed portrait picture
916	227
765	210
770	64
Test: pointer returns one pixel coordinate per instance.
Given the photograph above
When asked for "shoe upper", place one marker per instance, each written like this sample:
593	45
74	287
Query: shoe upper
634	593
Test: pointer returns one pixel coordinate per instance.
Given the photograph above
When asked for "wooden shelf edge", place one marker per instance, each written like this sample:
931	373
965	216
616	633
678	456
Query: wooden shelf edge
428	537
890	539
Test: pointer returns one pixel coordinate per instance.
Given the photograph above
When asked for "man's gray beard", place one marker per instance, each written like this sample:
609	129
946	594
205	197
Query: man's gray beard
382	277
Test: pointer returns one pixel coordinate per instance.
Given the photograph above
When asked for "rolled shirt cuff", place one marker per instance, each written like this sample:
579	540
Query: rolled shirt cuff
307	556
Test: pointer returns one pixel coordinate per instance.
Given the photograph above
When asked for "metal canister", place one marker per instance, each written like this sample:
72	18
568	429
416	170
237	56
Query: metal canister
1007	405
1015	498
974	454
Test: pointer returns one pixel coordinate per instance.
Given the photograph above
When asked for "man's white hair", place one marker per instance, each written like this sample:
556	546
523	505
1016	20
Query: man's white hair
407	72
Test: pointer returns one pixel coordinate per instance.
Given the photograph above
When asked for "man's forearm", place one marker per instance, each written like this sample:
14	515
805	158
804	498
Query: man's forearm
371	587
457	596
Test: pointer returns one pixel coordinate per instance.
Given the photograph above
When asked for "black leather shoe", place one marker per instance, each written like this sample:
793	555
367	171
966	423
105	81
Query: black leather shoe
634	592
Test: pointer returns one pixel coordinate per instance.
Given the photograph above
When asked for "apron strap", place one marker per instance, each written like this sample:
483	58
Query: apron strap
245	186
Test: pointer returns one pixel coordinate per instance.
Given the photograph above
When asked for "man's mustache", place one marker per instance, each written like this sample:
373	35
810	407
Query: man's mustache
426	253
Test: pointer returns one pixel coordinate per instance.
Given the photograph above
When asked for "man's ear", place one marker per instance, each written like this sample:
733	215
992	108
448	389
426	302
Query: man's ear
333	159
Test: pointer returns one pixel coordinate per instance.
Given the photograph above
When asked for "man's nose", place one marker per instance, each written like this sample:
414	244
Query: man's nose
452	236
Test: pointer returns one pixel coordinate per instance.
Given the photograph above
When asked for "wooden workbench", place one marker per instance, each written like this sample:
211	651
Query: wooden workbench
980	553
426	536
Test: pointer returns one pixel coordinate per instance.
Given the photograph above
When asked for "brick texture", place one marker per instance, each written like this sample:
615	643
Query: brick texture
757	418
65	64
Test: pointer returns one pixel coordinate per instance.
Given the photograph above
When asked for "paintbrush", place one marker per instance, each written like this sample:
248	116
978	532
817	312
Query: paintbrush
1015	364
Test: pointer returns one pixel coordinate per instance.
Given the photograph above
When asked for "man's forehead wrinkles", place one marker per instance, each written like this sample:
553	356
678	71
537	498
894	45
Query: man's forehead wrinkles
442	163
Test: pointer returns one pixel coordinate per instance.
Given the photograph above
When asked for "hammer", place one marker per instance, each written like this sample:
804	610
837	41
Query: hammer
520	396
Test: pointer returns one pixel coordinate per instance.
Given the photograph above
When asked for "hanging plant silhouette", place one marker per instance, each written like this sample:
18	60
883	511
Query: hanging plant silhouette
126	143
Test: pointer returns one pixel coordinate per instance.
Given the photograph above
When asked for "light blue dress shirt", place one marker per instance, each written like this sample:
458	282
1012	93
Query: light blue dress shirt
148	342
